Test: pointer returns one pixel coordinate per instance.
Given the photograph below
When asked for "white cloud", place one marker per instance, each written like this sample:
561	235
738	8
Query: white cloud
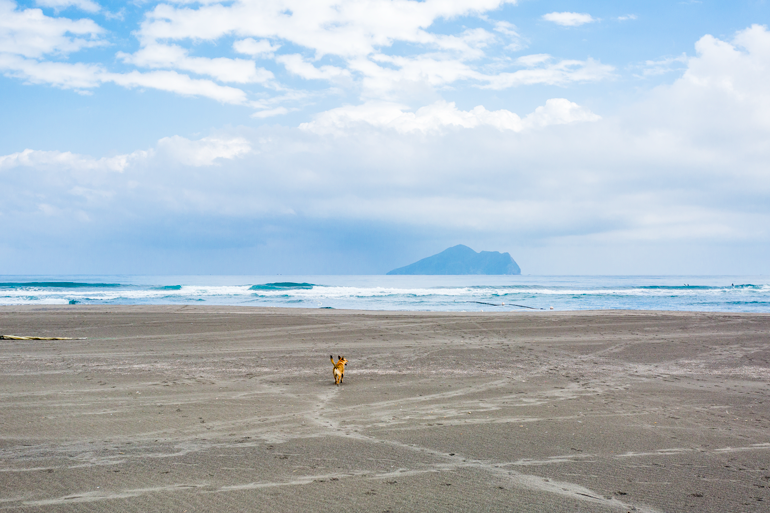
468	45
204	152
201	2
516	41
533	59
262	48
569	19
349	45
84	5
28	36
658	67
558	111
65	75
70	161
437	117
222	69
727	80
739	68
30	33
174	82
358	36
81	77
207	151
387	77
91	195
399	73
278	111
541	70
296	65
349	29
627	17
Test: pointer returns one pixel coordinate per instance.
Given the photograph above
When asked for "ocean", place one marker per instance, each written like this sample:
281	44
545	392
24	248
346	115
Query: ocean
407	293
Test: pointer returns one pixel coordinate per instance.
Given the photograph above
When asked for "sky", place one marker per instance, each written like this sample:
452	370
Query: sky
353	137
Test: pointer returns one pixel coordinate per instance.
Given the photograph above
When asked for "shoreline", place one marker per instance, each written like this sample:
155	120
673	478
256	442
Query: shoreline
191	407
306	310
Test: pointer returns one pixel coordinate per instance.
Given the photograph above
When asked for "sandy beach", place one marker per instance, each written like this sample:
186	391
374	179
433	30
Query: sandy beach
182	408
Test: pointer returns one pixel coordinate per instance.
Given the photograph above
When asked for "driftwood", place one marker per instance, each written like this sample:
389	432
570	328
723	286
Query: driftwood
14	337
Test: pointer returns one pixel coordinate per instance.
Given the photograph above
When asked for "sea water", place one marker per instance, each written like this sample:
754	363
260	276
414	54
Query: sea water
407	293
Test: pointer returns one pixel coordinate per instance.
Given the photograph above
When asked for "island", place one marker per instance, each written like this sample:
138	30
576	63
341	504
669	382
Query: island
461	259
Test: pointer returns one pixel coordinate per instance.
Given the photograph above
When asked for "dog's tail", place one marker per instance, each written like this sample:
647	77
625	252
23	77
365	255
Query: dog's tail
332	359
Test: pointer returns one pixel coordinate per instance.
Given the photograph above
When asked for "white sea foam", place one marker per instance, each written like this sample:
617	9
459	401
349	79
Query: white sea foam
405	293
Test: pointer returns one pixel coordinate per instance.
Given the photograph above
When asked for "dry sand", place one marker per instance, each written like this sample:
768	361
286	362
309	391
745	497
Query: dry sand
172	408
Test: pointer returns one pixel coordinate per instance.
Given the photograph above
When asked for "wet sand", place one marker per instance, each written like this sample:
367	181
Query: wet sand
173	408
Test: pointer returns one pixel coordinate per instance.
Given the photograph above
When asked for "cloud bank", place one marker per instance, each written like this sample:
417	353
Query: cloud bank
664	170
386	159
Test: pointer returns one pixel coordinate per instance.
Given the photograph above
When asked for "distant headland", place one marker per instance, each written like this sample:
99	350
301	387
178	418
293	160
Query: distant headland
461	259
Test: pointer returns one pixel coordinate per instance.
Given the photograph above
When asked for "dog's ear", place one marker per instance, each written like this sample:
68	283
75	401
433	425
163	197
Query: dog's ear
339	357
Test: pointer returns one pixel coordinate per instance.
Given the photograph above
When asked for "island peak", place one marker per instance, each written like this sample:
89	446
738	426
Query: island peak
461	259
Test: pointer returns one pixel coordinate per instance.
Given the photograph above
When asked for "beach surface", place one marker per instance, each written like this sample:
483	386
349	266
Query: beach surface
186	408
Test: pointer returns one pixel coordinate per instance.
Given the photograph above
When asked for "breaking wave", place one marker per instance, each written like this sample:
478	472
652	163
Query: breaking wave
287	285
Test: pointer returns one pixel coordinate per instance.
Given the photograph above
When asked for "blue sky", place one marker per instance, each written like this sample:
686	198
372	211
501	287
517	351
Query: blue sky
320	136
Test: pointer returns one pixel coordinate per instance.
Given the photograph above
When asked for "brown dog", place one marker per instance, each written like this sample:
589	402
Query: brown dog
339	369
